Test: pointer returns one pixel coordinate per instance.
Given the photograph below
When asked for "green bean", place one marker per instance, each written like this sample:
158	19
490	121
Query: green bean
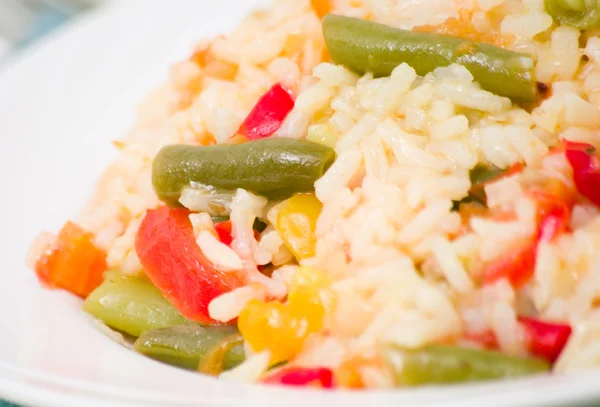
364	46
191	346
275	168
440	364
581	14
131	305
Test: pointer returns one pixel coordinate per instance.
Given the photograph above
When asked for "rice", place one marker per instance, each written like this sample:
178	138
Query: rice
405	266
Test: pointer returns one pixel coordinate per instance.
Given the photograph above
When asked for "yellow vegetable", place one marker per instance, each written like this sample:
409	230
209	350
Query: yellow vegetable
296	224
322	134
282	328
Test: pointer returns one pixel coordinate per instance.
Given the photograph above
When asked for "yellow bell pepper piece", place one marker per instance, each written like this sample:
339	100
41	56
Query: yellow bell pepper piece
297	222
282	328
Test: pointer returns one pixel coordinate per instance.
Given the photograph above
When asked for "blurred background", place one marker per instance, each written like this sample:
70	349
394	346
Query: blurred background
22	22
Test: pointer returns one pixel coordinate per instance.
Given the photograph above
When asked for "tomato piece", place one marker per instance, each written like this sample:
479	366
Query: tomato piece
73	262
167	249
486	339
300	376
546	340
223	229
586	169
268	114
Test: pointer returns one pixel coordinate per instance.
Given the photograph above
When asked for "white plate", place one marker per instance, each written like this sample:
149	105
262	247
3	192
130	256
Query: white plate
60	105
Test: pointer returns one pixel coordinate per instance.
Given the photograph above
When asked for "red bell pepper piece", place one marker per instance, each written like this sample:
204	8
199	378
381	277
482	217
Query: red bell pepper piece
300	376
223	229
518	267
73	262
167	249
546	340
586	169
268	114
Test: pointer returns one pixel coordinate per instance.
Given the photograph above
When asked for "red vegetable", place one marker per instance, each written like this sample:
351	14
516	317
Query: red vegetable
586	169
553	214
299	376
167	249
268	114
223	229
73	262
546	340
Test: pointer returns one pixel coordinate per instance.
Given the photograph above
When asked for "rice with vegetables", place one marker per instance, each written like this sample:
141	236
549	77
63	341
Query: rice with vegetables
358	194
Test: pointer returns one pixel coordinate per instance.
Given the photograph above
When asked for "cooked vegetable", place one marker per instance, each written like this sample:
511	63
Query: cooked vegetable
297	222
581	14
282	328
449	364
224	356
268	114
553	213
546	340
276	168
73	262
365	46
131	305
321	7
482	175
301	376
223	230
586	169
190	345
167	249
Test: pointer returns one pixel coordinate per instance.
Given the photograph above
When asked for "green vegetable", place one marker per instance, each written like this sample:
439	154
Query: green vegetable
365	46
449	364
191	346
480	174
131	305
272	167
581	14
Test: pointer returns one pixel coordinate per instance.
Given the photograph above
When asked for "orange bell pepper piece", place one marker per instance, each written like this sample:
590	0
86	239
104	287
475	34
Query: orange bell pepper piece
73	262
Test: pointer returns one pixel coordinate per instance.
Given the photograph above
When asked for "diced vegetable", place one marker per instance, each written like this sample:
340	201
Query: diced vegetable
321	7
73	262
167	249
131	305
191	346
297	222
275	167
546	340
482	175
223	229
517	266
586	168
365	46
282	328
322	134
449	364
300	376
581	14
268	114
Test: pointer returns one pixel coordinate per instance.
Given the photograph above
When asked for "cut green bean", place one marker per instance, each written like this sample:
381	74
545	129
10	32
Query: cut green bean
449	364
131	305
364	46
191	346
581	14
274	167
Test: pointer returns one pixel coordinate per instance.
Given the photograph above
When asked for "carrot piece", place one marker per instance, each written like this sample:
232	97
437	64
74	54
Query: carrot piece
73	262
321	7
